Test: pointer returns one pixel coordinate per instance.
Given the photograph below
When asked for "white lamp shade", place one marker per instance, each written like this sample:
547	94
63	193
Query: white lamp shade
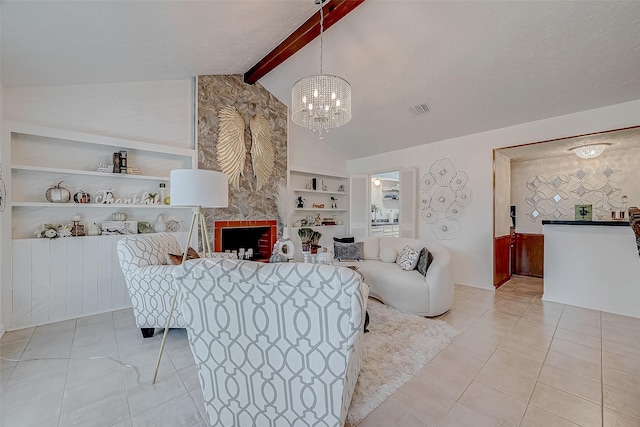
199	187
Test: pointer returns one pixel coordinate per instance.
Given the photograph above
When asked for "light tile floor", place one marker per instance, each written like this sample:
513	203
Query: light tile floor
517	362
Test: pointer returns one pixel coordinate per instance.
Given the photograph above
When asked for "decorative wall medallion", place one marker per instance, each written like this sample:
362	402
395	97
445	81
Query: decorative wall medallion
443	197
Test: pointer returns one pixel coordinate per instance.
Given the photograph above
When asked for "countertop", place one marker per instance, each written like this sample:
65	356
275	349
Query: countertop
605	223
380	224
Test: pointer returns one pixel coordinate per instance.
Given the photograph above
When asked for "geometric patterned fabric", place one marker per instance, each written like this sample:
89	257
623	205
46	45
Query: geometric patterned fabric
274	344
143	259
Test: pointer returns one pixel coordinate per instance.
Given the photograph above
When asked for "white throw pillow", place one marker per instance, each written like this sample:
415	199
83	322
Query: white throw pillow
388	255
408	258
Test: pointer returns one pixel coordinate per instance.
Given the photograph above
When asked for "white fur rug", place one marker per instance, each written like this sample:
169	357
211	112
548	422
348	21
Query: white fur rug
396	347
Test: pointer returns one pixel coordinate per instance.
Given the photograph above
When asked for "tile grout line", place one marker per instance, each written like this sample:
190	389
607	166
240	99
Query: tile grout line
601	371
66	377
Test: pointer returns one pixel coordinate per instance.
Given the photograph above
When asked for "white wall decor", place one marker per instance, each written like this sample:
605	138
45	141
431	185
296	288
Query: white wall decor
443	197
556	196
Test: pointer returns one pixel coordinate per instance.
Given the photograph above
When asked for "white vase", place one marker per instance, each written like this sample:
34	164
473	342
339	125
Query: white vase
160	226
286	233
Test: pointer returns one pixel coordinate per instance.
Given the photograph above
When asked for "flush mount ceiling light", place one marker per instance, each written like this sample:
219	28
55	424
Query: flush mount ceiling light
589	151
322	101
376	182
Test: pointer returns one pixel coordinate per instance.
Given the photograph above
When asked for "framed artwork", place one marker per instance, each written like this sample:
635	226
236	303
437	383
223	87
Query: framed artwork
583	212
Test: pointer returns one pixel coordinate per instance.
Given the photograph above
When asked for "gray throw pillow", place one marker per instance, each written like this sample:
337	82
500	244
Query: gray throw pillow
348	251
424	261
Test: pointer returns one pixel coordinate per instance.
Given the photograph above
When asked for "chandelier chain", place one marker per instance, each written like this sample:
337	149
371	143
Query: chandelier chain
321	31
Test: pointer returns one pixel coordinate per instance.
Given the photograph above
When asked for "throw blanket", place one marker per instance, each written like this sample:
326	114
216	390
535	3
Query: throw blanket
634	221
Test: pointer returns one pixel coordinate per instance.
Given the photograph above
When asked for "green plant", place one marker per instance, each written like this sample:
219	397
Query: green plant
305	235
315	238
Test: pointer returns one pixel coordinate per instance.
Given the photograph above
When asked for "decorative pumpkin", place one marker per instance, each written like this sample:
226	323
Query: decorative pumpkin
82	197
58	194
144	227
119	216
94	230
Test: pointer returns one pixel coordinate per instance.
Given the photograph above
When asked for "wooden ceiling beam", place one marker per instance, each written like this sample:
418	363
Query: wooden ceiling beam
334	10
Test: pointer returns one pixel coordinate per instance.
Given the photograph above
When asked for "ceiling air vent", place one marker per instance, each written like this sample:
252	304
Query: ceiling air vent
420	109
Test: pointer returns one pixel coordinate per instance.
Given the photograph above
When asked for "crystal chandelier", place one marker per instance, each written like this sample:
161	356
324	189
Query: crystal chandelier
589	151
322	101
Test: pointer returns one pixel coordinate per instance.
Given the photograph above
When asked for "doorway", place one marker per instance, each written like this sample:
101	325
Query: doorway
385	204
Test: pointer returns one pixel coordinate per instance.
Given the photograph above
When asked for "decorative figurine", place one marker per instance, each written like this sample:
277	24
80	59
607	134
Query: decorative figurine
324	186
318	220
334	203
300	202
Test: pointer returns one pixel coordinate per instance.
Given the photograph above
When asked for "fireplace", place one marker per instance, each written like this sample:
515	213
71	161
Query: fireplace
257	235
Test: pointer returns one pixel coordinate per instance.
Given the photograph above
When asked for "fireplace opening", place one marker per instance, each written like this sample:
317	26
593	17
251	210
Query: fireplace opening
243	238
254	239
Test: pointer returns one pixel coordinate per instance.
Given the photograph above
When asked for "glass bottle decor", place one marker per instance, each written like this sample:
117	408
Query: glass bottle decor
162	187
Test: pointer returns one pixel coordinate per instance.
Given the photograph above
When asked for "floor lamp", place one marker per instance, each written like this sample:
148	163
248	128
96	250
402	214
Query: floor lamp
199	189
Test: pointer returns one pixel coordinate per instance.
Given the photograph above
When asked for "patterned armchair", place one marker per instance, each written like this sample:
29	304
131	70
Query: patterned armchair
143	259
274	344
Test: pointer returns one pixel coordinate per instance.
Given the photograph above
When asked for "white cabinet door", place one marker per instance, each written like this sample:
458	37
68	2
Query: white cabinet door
359	209
408	196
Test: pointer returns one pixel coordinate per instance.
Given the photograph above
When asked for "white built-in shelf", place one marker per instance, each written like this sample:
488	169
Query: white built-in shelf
88	173
320	209
318	226
87	138
305	171
93	205
326	193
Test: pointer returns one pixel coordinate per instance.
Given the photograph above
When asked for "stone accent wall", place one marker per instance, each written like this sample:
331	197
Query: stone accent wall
215	93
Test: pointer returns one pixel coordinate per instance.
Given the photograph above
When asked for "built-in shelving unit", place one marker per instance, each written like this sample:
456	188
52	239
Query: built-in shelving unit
319	210
63	278
328	193
87	173
42	157
77	206
335	186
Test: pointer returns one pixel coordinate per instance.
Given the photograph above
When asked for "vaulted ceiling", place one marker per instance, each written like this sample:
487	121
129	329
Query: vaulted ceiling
478	65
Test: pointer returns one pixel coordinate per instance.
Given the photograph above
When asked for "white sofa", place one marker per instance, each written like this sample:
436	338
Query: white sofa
407	291
274	344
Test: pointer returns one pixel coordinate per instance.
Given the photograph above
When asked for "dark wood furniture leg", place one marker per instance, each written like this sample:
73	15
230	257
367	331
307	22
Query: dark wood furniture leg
147	332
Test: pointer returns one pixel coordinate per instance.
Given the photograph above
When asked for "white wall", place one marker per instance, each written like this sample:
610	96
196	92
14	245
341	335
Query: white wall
308	153
472	250
4	223
160	111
